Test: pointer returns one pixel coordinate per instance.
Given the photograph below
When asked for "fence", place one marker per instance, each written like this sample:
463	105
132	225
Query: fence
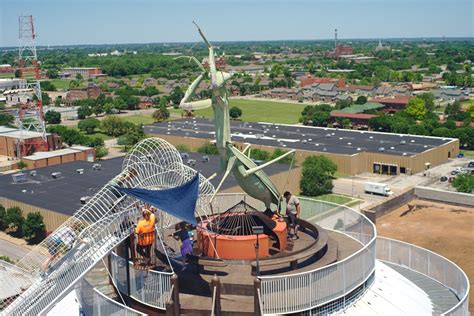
149	287
307	290
94	302
429	264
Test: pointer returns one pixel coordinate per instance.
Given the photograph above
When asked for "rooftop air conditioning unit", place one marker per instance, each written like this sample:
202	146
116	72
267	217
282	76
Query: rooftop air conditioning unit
80	171
33	173
56	174
97	166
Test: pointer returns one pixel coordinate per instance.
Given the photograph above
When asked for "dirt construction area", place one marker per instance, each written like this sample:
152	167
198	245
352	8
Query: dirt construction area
445	229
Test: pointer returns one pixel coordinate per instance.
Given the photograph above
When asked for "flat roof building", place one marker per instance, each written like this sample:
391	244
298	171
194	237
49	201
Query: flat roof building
353	151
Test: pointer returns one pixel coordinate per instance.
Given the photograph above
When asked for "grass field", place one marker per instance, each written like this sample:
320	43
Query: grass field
468	153
60	84
144	119
262	111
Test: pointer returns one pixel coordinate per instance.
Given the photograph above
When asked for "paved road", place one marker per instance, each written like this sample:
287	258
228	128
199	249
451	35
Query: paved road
12	250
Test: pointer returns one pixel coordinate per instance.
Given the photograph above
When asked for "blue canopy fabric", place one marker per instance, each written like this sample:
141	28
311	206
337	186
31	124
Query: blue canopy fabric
179	201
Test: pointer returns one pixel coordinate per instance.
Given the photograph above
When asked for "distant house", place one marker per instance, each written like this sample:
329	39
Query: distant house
393	104
450	94
359	119
150	82
358	89
251	69
145	102
310	80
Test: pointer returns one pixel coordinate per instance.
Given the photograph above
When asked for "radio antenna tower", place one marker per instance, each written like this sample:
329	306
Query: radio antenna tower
30	116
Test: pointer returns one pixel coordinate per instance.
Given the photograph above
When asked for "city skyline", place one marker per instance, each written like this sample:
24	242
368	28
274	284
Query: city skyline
145	21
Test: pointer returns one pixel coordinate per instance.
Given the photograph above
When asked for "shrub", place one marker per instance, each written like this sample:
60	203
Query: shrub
3	218
15	221
318	173
33	228
208	149
182	147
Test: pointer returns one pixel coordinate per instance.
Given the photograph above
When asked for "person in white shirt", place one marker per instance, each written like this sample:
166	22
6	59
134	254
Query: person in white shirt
293	210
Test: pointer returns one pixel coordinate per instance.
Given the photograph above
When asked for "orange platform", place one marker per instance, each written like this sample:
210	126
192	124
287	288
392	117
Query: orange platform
238	247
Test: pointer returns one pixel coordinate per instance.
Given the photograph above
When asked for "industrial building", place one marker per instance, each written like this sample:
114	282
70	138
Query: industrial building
11	137
85	72
353	151
58	197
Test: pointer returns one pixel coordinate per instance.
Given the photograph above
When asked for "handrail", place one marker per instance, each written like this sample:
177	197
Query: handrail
462	293
342	277
213	313
119	305
260	303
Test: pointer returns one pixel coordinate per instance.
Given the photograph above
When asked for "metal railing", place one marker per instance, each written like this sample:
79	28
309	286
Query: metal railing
429	264
149	287
292	293
94	302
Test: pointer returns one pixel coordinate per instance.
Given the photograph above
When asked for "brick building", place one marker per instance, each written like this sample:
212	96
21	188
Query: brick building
85	72
310	80
340	50
11	137
91	92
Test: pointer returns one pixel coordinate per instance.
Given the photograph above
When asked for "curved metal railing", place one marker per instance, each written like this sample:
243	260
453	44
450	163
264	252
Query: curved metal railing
94	302
431	265
151	287
292	293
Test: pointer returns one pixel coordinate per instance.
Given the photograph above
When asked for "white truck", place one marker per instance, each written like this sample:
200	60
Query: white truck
377	188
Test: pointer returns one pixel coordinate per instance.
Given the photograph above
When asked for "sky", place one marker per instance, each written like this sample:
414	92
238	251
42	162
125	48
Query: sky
69	22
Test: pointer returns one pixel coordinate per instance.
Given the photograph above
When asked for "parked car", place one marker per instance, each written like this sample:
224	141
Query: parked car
443	179
470	164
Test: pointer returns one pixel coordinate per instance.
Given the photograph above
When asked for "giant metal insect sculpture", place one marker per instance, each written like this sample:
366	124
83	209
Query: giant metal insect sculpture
251	178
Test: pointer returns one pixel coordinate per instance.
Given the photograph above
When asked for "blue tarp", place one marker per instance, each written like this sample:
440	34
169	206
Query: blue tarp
179	201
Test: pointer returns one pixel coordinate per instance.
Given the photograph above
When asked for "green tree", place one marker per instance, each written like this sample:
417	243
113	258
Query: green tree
52	73
21	165
48	86
442	132
119	104
72	136
182	148
278	152
6	119
176	95
3	218
113	126
361	100
259	154
320	118
235	112
161	114
464	183
429	99
17	73
45	98
130	138
79	76
208	149
84	111
34	228
15	221
416	108
52	117
101	152
89	125
318	173
57	102
417	129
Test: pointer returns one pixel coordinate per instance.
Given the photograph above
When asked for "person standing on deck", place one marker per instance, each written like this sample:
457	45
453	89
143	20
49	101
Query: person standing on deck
293	210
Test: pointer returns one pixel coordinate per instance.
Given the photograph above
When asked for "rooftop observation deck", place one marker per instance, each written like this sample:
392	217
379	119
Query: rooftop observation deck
349	279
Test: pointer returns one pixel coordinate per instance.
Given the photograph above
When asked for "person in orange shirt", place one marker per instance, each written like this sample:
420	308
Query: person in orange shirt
145	231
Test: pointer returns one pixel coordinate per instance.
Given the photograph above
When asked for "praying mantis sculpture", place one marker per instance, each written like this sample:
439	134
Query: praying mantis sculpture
251	178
